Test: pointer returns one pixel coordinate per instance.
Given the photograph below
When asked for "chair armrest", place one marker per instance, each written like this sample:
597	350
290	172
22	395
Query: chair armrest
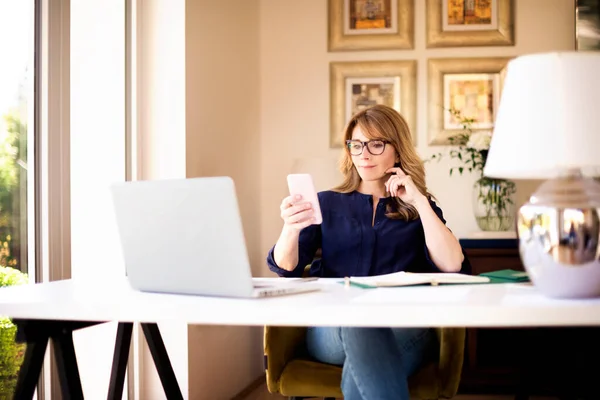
452	350
306	272
280	346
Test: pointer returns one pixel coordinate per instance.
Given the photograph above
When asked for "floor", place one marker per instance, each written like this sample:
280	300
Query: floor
261	393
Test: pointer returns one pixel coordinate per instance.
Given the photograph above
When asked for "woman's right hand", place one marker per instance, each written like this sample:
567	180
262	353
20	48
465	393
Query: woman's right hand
296	213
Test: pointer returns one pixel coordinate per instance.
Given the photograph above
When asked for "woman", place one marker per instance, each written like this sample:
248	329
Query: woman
380	220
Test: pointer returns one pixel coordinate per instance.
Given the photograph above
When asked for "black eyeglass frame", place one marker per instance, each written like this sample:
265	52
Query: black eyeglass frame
365	145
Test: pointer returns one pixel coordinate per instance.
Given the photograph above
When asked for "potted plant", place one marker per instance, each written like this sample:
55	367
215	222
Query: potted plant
11	353
493	199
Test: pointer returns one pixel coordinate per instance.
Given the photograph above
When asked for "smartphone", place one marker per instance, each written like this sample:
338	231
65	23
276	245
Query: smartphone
303	185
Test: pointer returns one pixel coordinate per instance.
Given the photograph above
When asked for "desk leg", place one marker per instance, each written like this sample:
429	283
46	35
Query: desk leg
121	355
68	371
29	374
161	360
36	334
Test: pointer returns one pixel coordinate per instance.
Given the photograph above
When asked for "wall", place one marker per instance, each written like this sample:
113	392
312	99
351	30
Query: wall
222	116
294	94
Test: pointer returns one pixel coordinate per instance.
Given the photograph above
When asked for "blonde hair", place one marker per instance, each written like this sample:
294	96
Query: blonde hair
380	122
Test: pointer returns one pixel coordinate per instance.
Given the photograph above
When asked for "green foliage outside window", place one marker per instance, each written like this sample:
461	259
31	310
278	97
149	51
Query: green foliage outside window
11	353
13	176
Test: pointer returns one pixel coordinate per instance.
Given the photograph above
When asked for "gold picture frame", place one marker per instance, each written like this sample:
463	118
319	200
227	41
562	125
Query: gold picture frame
450	24
392	30
354	85
475	84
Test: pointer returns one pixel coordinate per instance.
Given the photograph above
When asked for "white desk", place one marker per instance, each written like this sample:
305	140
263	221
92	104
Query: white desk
484	305
54	310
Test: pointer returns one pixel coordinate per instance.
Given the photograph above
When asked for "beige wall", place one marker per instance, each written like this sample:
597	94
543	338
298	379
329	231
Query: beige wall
222	101
294	94
222	116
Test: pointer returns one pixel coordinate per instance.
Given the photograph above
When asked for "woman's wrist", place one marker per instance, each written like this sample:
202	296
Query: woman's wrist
420	203
290	233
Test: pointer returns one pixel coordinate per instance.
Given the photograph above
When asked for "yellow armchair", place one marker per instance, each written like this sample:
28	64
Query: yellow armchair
291	374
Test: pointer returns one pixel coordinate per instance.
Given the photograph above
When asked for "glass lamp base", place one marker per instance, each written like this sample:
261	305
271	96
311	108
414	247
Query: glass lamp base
559	231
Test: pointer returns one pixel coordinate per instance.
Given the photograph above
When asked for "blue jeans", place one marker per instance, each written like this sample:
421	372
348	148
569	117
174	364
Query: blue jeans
376	361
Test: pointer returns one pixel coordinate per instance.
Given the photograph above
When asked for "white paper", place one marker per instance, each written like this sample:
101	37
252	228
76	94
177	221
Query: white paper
406	279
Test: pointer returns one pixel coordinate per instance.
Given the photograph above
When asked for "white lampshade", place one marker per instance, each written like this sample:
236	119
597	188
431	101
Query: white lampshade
548	120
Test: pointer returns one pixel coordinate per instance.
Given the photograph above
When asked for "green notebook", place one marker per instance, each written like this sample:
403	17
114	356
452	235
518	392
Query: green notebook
506	276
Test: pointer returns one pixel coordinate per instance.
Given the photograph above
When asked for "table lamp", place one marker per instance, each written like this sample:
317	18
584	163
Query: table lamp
548	127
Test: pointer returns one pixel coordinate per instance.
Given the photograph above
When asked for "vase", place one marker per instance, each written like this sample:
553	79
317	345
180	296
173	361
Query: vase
494	204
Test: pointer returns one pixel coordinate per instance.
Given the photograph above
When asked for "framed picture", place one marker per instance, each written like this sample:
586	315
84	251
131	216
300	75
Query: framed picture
455	23
358	85
471	86
370	24
587	25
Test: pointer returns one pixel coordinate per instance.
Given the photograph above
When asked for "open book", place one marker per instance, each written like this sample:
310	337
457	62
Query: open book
408	279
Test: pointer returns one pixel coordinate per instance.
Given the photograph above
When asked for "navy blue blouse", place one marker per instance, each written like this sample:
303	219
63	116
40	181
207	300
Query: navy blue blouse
351	245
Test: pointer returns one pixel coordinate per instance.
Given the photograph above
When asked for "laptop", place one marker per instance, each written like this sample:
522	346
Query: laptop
185	236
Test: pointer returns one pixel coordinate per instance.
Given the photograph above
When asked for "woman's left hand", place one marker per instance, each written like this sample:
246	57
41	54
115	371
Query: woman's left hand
402	186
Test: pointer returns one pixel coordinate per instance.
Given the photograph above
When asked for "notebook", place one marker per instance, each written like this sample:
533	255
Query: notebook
410	279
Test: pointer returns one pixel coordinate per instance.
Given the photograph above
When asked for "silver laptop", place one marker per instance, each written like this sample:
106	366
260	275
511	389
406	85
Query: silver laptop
185	236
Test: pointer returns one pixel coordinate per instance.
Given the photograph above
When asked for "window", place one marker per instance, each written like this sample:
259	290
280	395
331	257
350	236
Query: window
17	34
17	104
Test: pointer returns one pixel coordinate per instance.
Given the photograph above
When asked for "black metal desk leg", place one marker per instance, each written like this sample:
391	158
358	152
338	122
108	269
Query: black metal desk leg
68	372
161	360
119	366
29	373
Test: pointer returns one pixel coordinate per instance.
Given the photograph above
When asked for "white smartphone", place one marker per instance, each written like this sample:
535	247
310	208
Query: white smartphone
303	185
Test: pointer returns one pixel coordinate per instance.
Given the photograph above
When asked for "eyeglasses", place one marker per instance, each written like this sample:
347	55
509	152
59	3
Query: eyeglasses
375	147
